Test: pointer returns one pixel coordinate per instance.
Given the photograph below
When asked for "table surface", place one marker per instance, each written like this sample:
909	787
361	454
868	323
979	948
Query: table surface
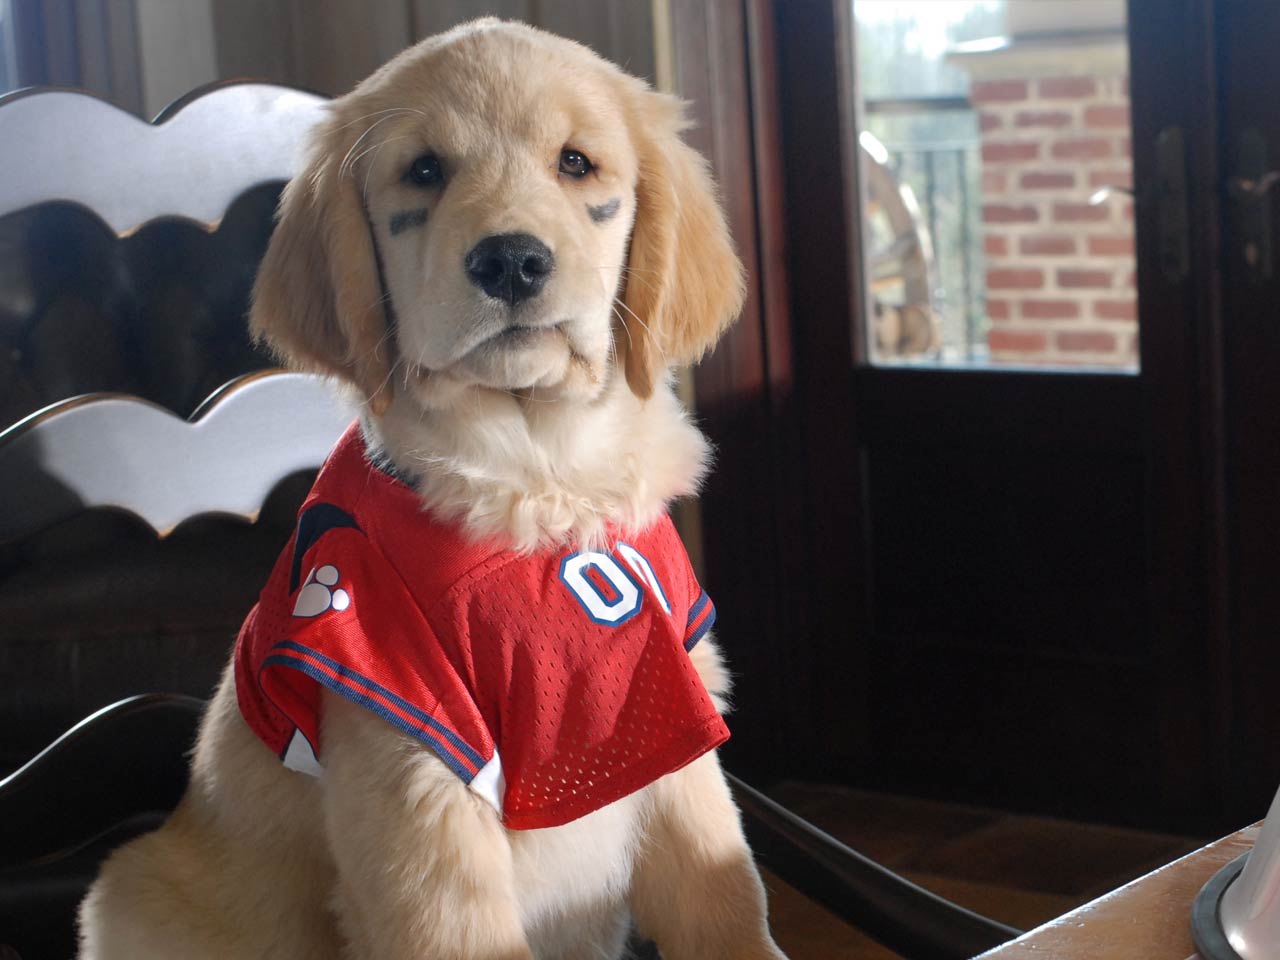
1148	918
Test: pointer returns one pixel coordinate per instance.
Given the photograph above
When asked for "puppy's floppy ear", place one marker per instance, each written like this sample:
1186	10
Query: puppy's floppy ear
684	282
317	300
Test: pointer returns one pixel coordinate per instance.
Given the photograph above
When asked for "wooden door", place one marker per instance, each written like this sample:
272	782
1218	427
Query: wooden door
998	585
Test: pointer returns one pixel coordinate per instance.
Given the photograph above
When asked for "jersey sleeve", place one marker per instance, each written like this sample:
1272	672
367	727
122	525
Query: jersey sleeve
702	612
336	615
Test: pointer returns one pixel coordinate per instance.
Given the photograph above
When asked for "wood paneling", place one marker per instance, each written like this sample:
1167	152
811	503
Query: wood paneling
253	40
107	42
432	16
90	43
176	44
330	45
339	43
620	30
740	541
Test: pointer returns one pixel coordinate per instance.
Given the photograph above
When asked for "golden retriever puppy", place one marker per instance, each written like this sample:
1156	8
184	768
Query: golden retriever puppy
473	716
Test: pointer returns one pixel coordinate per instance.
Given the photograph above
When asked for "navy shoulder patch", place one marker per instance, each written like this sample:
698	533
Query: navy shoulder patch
317	520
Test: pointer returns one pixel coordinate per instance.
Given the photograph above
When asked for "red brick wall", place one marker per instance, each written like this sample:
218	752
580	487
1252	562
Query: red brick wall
1060	273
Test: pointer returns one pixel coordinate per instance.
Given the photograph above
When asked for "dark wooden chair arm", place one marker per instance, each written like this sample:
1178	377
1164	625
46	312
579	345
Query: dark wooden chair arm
122	765
904	917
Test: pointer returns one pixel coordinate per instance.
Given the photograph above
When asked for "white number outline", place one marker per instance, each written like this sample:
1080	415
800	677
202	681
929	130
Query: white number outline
630	594
638	562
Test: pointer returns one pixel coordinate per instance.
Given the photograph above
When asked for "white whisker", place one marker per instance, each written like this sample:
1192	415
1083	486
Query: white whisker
625	328
377	113
345	167
369	173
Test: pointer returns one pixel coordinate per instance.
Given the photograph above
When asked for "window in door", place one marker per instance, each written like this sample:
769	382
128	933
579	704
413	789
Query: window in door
995	163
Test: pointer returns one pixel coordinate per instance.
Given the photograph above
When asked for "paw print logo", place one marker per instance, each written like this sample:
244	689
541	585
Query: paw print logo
317	595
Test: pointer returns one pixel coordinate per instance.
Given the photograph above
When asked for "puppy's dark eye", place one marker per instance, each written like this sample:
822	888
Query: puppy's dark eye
425	170
574	163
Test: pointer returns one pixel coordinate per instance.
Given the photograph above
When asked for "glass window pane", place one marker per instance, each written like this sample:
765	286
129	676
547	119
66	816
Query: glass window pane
987	130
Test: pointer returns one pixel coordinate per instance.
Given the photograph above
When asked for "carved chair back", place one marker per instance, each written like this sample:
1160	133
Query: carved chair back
127	253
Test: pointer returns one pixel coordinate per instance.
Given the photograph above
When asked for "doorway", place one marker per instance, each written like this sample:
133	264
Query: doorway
1028	565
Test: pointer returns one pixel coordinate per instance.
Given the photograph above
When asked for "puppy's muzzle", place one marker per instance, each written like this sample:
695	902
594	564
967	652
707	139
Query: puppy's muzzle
512	266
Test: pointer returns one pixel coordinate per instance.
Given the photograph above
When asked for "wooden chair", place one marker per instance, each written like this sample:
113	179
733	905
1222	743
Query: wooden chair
120	770
212	166
127	252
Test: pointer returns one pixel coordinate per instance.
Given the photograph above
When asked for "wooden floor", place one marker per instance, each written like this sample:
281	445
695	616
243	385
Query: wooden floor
1018	869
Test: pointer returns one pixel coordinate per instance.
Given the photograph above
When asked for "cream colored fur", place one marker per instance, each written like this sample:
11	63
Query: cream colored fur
539	438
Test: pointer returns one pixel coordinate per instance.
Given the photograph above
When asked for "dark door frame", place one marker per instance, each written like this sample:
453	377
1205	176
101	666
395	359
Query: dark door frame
1246	338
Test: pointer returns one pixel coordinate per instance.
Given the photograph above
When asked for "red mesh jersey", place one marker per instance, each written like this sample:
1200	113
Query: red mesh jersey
552	683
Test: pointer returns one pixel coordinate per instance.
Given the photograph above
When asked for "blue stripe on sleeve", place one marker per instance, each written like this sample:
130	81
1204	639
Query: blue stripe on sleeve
696	610
405	705
707	624
340	686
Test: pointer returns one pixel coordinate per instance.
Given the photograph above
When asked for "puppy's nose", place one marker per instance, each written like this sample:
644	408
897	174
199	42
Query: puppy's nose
510	266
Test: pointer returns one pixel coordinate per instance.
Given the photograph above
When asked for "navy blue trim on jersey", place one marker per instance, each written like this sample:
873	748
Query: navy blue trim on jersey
374	707
317	520
695	611
357	679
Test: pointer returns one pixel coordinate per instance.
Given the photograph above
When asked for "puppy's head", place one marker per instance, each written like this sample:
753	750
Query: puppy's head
498	208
